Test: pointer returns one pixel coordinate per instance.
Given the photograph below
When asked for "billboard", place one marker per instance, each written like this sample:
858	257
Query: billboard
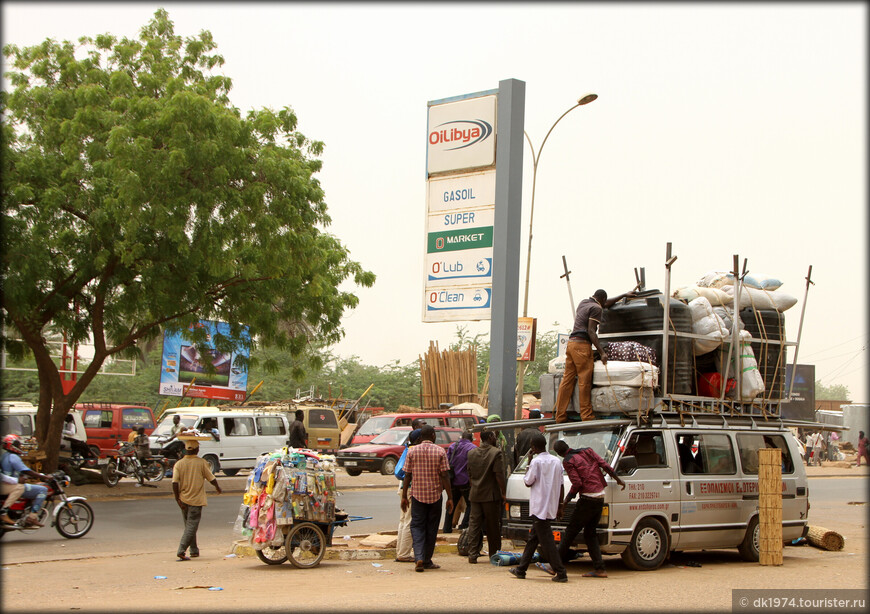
183	368
802	403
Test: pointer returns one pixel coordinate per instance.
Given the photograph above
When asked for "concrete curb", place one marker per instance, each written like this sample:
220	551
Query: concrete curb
242	548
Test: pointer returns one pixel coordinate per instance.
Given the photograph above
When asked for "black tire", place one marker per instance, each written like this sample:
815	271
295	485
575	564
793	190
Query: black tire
231	472
748	548
272	556
649	546
154	471
110	475
353	472
213	465
389	465
74	519
305	545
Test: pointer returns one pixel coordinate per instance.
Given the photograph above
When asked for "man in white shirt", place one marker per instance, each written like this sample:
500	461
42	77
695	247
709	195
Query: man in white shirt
544	477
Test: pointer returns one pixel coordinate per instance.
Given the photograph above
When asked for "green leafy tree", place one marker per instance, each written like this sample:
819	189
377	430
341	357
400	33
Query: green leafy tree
135	197
834	392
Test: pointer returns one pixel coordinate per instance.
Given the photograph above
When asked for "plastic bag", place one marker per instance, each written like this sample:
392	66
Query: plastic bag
399	471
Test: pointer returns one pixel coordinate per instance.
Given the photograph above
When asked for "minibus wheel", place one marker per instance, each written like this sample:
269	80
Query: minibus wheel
748	548
648	548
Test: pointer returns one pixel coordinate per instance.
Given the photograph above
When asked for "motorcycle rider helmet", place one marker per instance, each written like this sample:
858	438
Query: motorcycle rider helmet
12	443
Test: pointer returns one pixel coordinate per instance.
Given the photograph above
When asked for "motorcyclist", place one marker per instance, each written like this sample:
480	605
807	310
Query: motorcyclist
13	467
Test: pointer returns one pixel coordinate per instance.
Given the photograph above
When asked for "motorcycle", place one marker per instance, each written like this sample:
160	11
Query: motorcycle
127	465
71	516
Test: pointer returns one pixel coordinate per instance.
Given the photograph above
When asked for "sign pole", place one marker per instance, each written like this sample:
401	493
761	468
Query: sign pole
506	242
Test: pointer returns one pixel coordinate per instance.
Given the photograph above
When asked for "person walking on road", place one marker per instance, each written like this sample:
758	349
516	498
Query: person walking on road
298	437
578	355
544	477
584	468
457	458
404	543
426	474
188	485
487	494
863	449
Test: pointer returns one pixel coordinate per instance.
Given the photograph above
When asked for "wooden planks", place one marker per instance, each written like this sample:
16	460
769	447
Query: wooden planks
448	376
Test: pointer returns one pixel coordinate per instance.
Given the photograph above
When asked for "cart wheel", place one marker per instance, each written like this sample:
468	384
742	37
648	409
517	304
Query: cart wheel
305	545
272	556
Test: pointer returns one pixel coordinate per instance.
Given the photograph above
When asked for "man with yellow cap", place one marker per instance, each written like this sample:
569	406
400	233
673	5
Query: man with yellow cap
188	484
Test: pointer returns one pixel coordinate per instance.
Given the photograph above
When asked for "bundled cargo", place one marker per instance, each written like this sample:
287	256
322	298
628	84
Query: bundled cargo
706	322
762	299
719	279
623	373
751	382
622	399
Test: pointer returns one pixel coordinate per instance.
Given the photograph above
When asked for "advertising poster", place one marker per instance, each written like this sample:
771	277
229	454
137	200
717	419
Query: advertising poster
182	364
526	331
802	404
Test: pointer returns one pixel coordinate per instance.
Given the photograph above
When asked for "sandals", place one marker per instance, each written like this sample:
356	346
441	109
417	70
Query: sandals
595	574
183	557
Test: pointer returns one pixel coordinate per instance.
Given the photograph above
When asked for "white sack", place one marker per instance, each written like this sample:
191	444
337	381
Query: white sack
719	279
622	373
726	316
714	295
762	299
557	365
752	383
706	322
621	399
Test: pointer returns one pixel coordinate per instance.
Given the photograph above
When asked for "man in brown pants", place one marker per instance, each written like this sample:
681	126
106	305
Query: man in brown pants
578	354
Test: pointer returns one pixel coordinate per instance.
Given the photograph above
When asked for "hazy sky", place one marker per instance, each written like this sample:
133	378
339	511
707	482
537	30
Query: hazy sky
722	128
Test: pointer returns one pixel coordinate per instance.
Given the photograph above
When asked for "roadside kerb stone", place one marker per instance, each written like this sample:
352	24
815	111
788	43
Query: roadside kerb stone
339	551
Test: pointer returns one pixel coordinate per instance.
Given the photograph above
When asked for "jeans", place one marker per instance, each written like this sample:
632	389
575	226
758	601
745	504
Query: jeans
578	367
192	515
458	491
425	518
37	493
586	515
541	534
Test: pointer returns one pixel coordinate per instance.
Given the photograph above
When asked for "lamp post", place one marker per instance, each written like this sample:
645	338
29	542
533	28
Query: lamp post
535	159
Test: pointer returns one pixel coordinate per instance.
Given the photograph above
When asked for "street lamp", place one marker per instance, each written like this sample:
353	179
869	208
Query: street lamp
535	159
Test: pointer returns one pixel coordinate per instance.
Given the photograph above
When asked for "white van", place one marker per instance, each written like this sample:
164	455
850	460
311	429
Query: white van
244	433
688	487
19	417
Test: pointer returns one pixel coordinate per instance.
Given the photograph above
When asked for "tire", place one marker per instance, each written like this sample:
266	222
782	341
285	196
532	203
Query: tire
353	472
305	545
272	556
110	475
389	465
95	450
154	471
230	473
648	548
748	548
213	465
74	519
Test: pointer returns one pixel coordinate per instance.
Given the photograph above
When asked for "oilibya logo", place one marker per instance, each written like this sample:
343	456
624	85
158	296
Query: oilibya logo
463	132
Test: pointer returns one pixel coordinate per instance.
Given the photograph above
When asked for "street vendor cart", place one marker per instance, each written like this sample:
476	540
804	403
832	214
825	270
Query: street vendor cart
288	511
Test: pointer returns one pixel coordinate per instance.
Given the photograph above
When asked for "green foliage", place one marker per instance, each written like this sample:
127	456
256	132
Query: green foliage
834	392
136	197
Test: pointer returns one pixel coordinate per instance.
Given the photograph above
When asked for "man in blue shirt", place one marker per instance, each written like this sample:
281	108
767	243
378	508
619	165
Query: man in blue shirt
12	466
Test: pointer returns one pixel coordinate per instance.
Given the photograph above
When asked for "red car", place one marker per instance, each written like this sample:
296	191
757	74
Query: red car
383	452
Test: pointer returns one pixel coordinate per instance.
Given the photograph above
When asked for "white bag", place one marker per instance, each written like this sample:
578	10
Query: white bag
762	299
714	295
752	384
557	365
623	373
726	316
706	322
719	279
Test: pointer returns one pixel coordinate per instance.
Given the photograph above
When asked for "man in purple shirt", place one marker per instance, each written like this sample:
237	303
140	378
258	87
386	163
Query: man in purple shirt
544	477
584	469
457	457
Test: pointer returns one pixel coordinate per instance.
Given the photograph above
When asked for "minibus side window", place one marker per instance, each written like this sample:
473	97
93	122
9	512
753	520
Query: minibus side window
648	449
715	454
749	444
234	427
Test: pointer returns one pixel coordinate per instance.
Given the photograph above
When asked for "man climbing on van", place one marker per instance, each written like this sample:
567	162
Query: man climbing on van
584	468
578	354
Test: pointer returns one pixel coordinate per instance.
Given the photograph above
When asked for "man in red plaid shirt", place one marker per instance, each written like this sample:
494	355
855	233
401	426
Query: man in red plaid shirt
426	469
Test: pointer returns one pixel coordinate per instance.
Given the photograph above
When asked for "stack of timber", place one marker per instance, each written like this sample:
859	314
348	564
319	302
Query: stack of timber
448	377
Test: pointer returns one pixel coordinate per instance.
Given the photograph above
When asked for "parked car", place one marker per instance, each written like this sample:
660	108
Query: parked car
383	452
376	425
108	423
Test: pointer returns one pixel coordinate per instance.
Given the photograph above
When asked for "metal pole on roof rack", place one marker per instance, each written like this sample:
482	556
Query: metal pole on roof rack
800	328
732	346
669	260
